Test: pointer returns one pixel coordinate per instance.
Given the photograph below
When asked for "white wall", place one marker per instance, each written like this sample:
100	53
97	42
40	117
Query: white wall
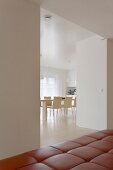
110	83
58	41
19	77
60	75
92	83
71	78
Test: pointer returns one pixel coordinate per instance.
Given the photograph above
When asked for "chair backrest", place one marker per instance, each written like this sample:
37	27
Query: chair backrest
57	102
68	102
48	103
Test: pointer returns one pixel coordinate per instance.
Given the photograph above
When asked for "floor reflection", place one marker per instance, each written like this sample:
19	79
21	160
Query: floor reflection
60	127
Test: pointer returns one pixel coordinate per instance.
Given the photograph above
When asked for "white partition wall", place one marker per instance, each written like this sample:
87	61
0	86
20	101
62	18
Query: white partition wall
19	77
92	83
110	83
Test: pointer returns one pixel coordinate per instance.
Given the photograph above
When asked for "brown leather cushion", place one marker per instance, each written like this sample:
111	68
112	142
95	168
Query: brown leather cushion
89	152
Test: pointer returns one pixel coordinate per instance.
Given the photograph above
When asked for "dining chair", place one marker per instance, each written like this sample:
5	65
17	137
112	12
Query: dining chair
48	103
56	104
67	103
74	103
74	107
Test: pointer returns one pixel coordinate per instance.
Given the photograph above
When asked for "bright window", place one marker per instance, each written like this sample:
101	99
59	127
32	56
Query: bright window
48	86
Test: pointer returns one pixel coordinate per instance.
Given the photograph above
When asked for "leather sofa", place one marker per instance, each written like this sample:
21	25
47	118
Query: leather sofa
89	152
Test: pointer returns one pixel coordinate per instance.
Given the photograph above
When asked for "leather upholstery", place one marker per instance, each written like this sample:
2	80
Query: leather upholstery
89	152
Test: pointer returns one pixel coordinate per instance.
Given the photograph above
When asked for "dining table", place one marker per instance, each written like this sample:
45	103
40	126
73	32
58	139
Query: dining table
43	103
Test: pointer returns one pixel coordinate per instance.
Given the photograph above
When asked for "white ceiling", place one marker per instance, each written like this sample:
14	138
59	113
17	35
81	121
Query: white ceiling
58	41
95	15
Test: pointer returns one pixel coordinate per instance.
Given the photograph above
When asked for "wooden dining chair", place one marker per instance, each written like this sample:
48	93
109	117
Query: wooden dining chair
74	103
48	103
67	103
56	104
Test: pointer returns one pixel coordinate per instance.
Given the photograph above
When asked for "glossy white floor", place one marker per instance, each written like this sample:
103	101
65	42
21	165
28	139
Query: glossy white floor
60	127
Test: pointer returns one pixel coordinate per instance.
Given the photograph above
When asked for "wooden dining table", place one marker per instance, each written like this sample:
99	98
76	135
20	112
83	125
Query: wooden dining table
43	103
